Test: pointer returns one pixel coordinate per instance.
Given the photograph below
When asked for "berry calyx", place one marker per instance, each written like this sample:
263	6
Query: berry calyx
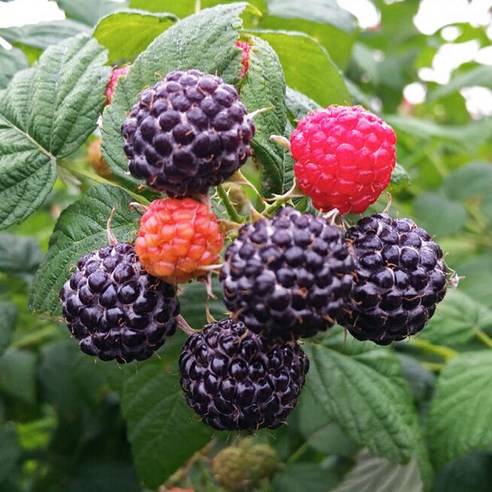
344	157
186	133
235	379
115	309
177	238
400	276
116	73
288	276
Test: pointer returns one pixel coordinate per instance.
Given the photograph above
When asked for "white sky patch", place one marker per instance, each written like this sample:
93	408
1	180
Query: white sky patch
415	93
366	13
21	12
478	101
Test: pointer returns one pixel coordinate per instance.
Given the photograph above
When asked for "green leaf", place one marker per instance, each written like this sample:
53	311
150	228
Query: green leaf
367	395
372	473
11	61
320	431
105	476
46	113
479	76
463	395
325	21
455	319
264	87
88	11
298	104
162	429
18	375
399	176
469	473
9	450
8	320
476	282
439	215
304	477
43	34
205	41
80	228
184	8
126	34
307	66
19	254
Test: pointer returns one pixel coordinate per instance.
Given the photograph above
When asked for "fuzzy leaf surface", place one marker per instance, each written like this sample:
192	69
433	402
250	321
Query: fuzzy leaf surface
11	61
464	395
158	419
126	34
308	67
205	41
367	395
46	113
80	228
264	87
372	473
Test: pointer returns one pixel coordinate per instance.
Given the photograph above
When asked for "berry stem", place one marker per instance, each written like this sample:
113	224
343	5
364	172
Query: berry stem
444	352
183	324
229	206
111	237
240	179
482	336
297	453
279	200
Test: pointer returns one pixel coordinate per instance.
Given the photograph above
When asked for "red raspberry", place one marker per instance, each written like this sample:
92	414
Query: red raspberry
344	157
177	238
113	80
245	47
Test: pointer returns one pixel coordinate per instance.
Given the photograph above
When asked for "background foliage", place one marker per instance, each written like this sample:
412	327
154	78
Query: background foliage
411	417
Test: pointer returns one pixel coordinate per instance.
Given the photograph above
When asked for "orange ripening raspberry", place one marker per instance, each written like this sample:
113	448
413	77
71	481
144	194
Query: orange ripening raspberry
177	238
344	157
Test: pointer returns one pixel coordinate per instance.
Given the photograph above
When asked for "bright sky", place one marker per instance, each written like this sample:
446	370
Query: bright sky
432	15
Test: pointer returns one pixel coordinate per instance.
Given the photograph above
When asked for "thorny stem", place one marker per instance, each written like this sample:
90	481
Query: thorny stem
434	366
198	6
279	200
298	453
240	179
229	206
137	206
482	336
444	352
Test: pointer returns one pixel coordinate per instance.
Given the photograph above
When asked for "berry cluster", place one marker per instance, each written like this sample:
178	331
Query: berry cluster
283	277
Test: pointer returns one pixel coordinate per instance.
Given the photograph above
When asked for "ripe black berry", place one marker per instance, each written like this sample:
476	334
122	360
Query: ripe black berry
186	133
237	380
288	276
116	309
400	277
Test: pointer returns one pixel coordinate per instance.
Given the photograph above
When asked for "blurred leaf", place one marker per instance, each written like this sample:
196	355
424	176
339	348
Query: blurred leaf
126	34
439	215
10	451
88	11
18	254
298	104
399	176
43	34
205	41
184	8
304	477
464	395
420	380
162	429
332	26
80	228
479	76
455	319
18	375
8	319
105	476
46	113
320	431
367	395
466	474
264	87
477	272
307	67
11	61
372	473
